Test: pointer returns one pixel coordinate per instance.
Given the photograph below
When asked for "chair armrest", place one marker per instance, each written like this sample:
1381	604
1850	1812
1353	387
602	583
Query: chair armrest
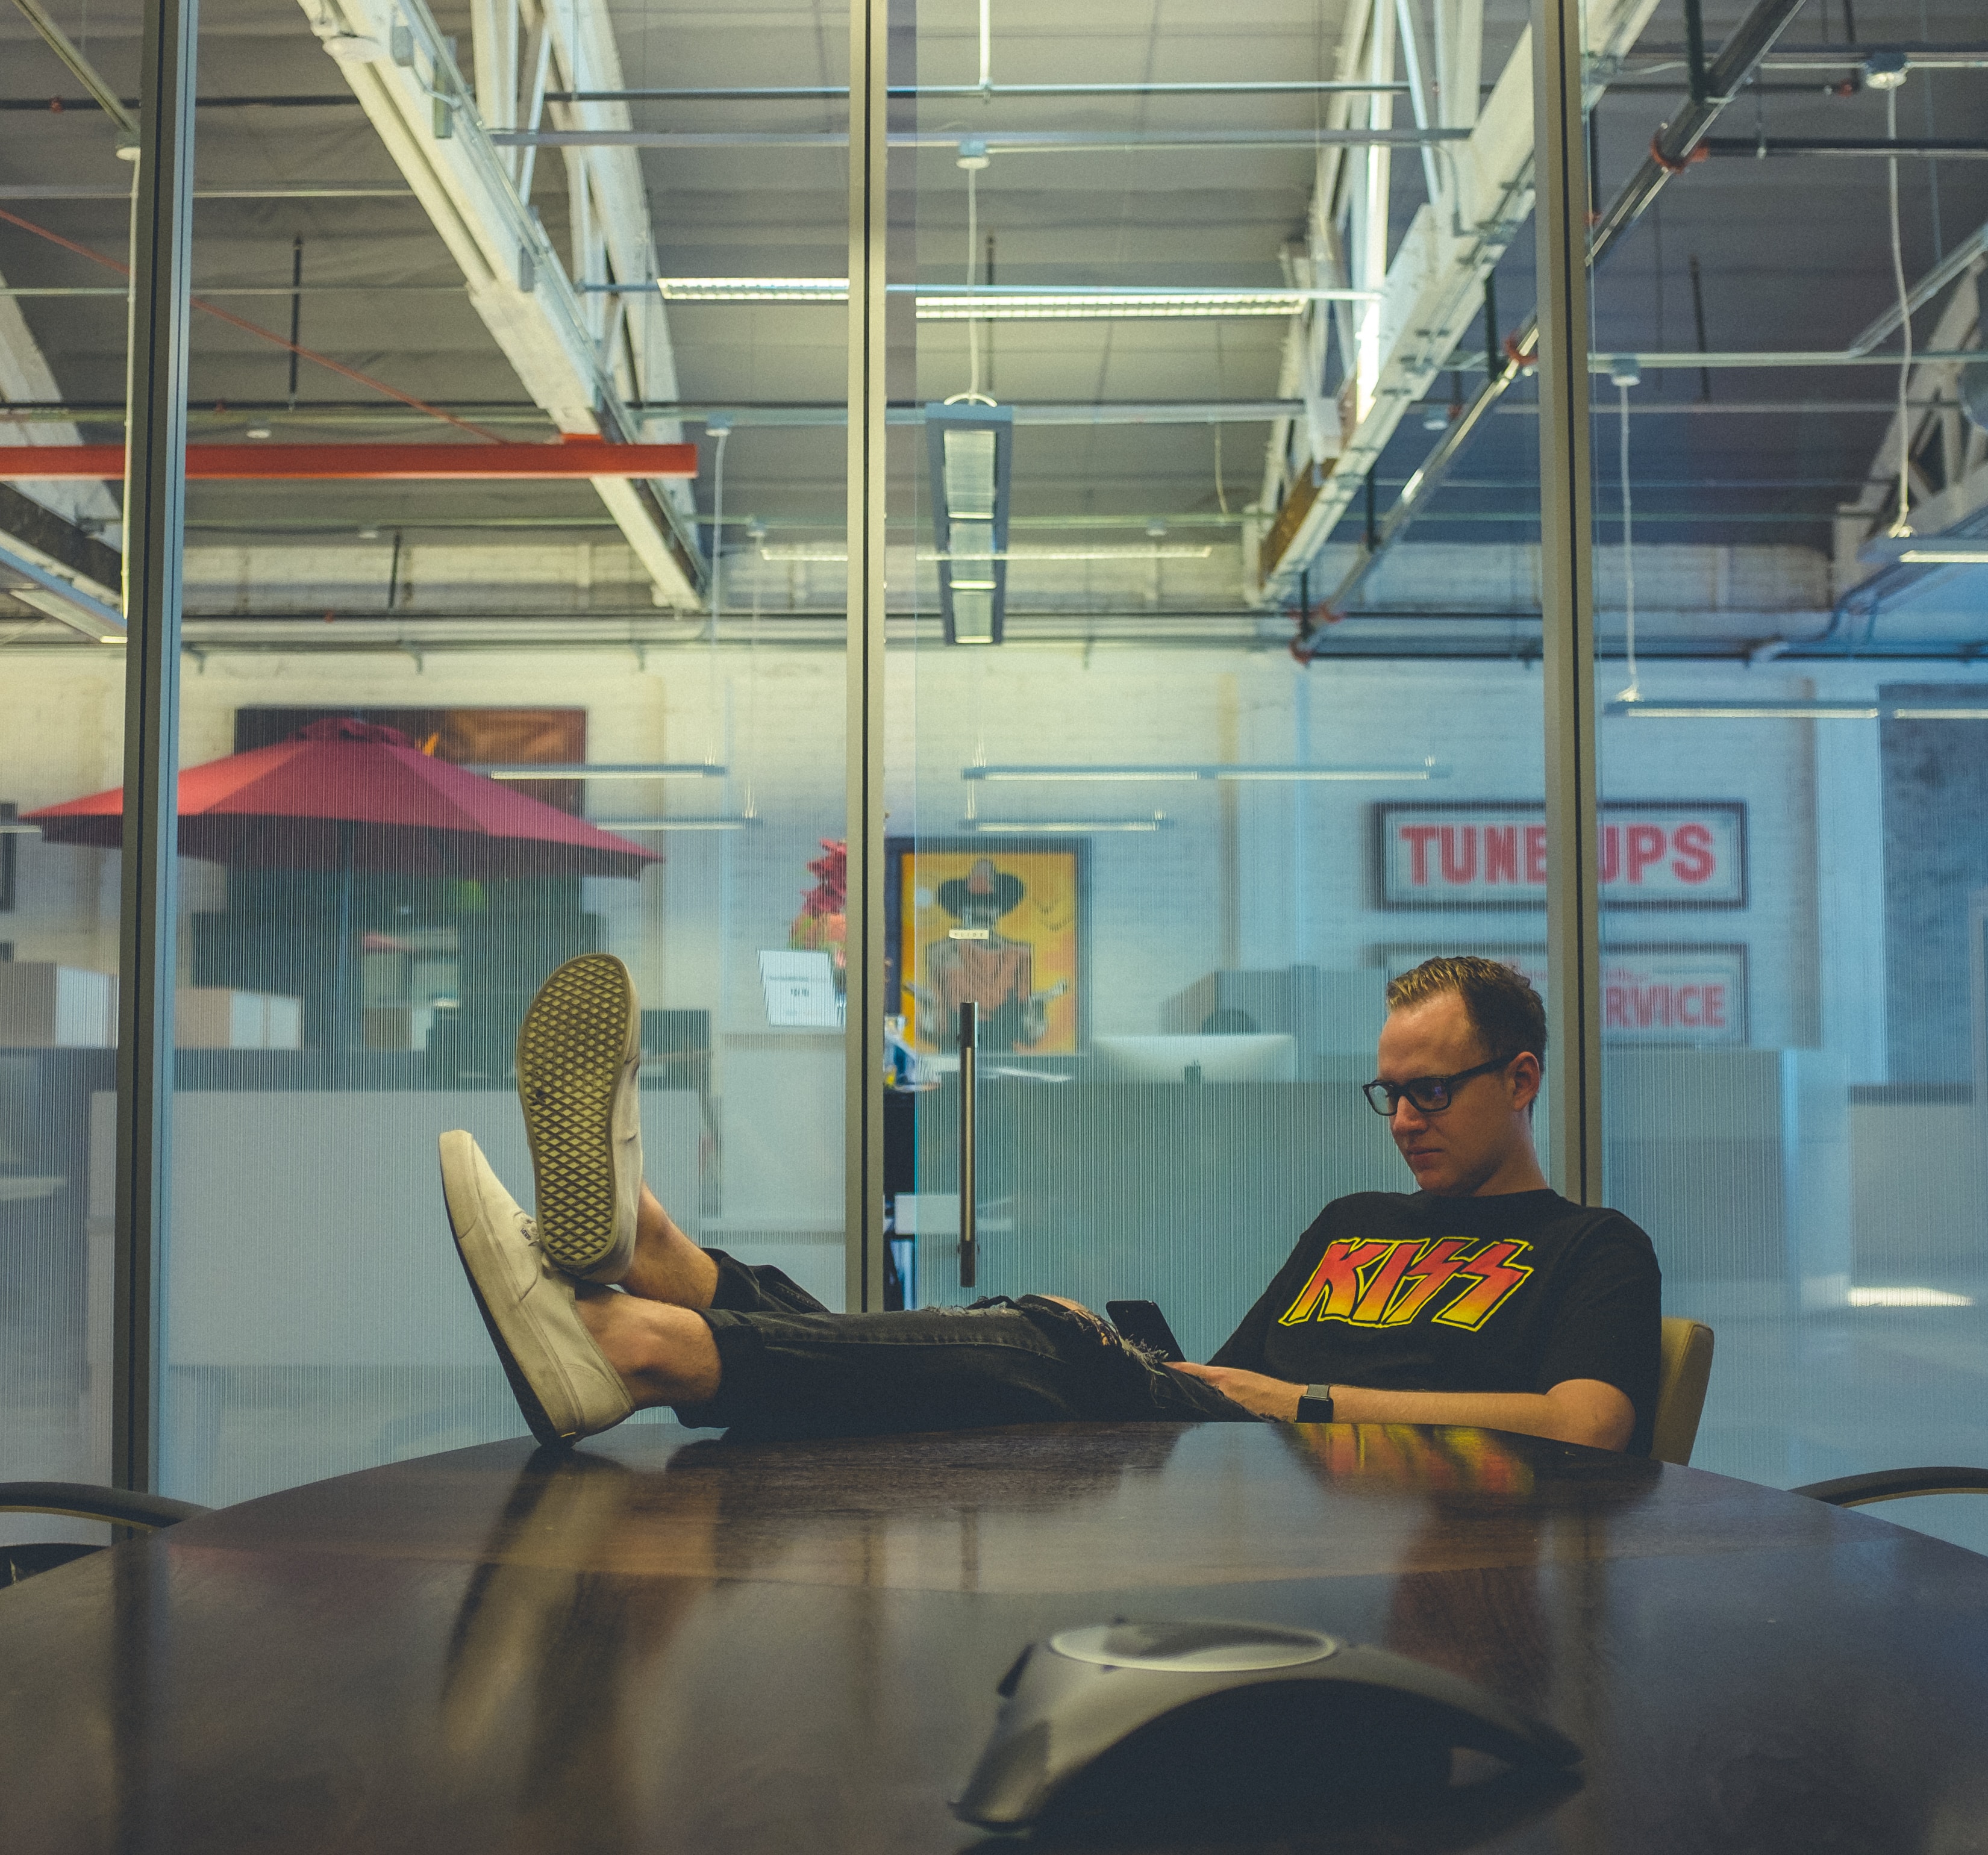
82	1501
1895	1484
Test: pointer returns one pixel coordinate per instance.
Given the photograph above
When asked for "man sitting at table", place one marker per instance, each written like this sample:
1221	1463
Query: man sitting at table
1484	1298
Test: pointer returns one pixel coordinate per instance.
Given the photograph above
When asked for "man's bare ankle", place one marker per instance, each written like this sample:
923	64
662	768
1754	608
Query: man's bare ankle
663	1354
668	1266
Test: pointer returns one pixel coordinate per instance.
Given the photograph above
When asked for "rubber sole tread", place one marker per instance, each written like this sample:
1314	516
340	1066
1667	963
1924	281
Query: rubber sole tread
572	1048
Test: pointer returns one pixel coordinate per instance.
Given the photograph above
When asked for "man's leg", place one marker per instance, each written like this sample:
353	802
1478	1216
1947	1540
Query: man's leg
668	1266
720	1342
580	1358
1037	1360
580	1083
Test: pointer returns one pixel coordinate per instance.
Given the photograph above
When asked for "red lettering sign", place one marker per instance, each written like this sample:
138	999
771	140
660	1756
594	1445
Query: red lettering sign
1649	995
1649	856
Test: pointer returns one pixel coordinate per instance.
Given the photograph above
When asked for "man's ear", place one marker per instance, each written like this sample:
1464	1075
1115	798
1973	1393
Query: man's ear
1522	1078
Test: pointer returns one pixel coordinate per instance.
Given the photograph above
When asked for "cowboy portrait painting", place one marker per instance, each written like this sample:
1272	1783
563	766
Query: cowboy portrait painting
999	930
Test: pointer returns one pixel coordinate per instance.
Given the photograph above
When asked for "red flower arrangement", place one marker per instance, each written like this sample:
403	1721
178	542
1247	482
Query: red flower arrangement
823	924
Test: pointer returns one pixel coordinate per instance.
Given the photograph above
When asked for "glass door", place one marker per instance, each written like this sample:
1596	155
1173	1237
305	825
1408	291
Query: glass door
1174	784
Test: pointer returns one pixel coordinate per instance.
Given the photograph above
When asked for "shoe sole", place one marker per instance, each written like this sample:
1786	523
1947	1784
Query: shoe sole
541	1425
572	1047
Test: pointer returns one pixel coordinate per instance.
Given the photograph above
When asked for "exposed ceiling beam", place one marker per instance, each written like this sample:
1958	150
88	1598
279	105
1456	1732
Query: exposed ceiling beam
430	124
1431	294
90	609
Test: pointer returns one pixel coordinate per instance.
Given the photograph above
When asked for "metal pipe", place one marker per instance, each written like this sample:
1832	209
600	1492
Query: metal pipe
1959	55
862	638
1750	42
811	92
1767	147
154	514
363	463
95	190
1566	600
969	1150
1488	637
48	106
1014	141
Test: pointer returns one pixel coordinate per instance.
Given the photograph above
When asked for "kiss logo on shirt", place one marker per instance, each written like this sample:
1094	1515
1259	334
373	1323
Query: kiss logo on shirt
1373	1281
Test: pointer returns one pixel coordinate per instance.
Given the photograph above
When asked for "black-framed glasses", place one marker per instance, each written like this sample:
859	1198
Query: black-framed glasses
1429	1094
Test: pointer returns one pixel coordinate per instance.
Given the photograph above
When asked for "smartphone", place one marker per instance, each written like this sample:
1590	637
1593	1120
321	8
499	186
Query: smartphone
1141	1321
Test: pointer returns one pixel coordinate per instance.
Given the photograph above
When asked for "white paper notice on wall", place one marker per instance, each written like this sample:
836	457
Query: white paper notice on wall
1651	855
800	991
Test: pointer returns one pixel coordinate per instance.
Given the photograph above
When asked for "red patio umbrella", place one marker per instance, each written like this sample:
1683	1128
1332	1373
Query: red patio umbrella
342	796
345	795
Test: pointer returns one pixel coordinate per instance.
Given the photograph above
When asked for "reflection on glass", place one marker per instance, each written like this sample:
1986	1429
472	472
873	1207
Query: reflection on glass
541	715
63	247
1788	614
1149	826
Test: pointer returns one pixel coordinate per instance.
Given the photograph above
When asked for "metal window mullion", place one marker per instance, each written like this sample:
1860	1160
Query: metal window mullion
863	1175
155	525
1567	598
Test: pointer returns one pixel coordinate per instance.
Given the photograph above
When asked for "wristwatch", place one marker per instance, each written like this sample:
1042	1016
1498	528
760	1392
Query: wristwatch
1316	1406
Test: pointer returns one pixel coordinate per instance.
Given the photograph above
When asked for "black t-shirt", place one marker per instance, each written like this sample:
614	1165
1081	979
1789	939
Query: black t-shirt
1412	1292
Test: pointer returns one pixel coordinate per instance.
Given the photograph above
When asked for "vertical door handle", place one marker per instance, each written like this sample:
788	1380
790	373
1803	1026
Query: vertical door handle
968	1012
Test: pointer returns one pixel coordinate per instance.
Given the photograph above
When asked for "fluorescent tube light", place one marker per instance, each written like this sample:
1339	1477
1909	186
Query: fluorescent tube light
965	303
737	821
1796	711
1024	556
1039	827
754	289
1908	1297
1946	557
971	446
1745	711
1424	769
969	303
601	769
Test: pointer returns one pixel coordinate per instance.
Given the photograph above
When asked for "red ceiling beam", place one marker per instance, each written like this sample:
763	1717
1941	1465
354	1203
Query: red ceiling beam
363	463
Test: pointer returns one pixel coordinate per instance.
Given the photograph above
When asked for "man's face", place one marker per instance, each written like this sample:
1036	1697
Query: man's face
1458	1149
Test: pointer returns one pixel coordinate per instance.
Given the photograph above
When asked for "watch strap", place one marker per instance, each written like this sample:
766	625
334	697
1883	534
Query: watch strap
1315	1406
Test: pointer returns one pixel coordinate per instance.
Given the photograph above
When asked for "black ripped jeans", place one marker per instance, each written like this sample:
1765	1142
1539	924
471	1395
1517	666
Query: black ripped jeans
790	1366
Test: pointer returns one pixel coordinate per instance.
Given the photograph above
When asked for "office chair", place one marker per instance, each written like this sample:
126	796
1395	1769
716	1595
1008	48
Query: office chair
1683	1370
80	1500
1895	1484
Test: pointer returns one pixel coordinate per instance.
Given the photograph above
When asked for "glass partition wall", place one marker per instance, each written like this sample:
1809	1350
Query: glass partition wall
1215	687
1793	868
481	566
1164	811
63	319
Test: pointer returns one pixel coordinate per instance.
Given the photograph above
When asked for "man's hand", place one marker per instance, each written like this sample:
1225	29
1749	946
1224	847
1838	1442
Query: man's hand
1253	1390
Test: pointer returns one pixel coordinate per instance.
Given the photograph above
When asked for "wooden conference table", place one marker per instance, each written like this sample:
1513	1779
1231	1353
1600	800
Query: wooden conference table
664	1644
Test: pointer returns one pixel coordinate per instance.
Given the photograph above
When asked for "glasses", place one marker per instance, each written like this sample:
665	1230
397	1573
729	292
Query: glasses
1427	1094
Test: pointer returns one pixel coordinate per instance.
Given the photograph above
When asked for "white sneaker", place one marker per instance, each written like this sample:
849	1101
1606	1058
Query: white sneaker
579	1081
561	1380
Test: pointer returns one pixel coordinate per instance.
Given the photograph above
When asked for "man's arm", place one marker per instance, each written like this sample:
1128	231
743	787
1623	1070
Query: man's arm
1576	1410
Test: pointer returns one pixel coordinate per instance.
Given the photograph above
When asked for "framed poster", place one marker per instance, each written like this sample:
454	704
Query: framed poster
1665	992
1003	926
464	737
1654	854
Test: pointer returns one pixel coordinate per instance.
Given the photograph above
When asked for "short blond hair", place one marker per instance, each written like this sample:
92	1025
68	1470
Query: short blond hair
1504	1009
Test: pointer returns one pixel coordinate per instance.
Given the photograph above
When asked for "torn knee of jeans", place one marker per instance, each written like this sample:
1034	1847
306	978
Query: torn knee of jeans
1105	1334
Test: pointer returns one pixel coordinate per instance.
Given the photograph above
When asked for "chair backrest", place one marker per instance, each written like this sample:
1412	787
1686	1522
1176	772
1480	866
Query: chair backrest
1684	1371
79	1501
